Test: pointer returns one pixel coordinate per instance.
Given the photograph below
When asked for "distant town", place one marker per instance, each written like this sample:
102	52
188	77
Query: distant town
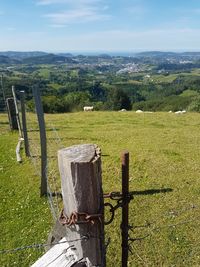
155	81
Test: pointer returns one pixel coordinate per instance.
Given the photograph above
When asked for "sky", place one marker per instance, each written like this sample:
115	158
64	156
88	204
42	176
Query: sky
99	25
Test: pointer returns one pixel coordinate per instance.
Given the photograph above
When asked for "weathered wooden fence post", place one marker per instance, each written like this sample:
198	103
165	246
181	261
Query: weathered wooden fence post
24	128
125	211
3	95
80	169
2	88
17	112
12	114
43	142
78	237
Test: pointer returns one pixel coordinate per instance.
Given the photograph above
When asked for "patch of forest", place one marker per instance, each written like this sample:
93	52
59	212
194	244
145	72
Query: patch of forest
105	82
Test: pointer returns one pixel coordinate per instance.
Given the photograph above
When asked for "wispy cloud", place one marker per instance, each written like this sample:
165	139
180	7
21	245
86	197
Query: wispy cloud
77	15
57	26
76	11
74	2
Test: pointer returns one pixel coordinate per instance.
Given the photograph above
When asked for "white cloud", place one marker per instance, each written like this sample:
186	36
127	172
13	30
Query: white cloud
72	2
77	11
77	16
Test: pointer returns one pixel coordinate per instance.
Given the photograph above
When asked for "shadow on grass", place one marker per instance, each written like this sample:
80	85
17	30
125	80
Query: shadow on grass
151	192
4	122
47	130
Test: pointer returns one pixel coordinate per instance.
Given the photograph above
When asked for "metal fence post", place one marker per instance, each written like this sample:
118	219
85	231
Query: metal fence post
125	212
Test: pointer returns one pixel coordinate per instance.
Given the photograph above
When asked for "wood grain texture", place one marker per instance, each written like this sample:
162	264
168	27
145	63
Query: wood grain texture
80	170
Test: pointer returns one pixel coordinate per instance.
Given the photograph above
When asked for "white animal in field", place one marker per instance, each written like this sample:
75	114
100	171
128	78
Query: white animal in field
139	111
122	110
88	108
180	112
170	111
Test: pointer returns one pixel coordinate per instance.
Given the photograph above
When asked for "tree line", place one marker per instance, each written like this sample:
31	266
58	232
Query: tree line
74	94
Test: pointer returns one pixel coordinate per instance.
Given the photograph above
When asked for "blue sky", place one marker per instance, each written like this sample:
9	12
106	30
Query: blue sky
100	25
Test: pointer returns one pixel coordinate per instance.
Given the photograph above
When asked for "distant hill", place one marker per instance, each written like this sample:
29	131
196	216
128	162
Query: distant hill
156	54
65	54
48	59
161	54
21	55
7	60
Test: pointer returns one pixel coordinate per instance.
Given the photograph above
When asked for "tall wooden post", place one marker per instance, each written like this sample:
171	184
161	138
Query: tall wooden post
80	169
24	128
125	193
17	112
43	142
12	114
3	92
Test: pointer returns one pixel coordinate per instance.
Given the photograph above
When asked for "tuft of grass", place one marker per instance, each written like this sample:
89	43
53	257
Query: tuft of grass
25	217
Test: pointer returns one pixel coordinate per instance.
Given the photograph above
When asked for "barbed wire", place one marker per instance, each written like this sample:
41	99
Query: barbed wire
42	245
35	157
175	213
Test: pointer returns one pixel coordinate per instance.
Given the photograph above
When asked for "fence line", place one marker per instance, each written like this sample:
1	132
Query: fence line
52	187
42	245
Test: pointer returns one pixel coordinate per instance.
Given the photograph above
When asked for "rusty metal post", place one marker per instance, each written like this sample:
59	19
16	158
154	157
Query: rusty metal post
125	196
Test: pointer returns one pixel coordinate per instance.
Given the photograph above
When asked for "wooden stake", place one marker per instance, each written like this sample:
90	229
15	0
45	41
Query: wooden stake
43	142
24	128
12	114
80	170
19	159
17	112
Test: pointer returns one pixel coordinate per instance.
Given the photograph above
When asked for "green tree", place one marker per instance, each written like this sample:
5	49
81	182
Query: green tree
77	100
118	99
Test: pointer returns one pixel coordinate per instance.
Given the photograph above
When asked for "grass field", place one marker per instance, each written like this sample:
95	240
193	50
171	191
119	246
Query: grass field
164	154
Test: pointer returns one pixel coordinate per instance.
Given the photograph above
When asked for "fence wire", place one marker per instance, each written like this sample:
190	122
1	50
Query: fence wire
140	233
53	183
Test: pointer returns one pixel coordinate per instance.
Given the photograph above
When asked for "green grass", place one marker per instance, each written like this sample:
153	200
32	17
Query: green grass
164	79
44	72
25	217
164	154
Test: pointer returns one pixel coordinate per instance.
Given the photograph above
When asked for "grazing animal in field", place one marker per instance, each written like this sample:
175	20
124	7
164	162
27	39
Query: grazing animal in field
122	110
180	112
139	111
88	108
